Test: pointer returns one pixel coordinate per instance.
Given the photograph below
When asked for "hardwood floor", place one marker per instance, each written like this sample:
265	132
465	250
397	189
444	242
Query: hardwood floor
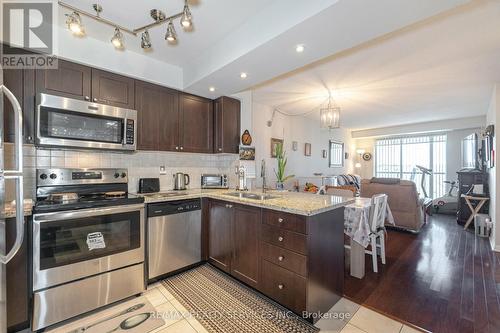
443	280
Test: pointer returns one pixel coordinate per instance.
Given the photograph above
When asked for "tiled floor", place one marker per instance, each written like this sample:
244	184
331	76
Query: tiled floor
344	317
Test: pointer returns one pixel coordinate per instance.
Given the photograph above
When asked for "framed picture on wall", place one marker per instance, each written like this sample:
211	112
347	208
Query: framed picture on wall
274	143
307	149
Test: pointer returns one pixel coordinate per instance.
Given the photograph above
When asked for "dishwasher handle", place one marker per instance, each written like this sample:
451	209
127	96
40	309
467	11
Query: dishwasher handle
173	207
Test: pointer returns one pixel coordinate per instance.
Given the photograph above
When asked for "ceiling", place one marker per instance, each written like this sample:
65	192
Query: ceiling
442	68
234	36
212	21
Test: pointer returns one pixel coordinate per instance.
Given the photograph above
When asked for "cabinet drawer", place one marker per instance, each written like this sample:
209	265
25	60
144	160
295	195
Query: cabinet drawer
286	239
287	259
286	221
283	286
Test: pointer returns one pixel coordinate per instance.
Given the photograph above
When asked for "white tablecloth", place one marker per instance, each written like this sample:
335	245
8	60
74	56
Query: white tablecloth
356	220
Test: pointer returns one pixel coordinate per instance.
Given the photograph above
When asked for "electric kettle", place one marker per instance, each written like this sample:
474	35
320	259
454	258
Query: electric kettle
180	181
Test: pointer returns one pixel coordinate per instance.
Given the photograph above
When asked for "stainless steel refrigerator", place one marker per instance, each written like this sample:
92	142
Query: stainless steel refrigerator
15	175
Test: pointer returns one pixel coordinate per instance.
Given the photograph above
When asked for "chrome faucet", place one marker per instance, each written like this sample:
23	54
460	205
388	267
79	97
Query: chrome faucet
263	175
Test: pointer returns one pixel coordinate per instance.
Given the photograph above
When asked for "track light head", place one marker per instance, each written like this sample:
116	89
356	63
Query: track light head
187	18
146	40
117	39
74	23
171	35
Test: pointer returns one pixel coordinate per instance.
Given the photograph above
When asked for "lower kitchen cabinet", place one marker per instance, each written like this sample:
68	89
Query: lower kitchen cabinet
296	260
233	240
17	280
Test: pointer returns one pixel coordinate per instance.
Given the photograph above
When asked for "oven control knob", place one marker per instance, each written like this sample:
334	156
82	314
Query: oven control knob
43	176
117	175
124	175
53	176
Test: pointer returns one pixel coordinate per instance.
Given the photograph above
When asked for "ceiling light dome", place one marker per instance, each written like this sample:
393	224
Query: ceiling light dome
117	39
74	23
171	35
186	18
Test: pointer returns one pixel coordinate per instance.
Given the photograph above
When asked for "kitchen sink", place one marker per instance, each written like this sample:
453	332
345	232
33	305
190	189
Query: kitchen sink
252	196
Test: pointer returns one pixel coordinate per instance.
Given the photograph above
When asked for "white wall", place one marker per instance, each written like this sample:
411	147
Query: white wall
300	129
494	179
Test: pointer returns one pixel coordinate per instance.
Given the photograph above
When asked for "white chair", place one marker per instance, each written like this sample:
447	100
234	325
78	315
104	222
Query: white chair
378	211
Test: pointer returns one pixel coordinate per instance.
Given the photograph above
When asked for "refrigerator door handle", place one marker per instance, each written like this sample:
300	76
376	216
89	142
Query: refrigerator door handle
16	174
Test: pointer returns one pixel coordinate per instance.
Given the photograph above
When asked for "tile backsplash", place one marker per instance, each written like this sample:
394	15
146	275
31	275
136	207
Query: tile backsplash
141	164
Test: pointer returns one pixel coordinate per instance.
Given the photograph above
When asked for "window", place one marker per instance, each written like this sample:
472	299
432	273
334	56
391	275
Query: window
398	158
336	154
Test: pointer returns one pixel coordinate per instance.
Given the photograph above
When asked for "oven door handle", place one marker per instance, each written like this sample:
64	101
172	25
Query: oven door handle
74	214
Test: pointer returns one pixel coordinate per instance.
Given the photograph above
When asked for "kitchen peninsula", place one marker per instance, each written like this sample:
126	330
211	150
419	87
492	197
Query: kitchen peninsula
289	246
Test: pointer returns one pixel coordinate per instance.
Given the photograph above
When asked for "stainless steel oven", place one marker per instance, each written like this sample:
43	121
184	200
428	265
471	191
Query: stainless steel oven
66	122
84	259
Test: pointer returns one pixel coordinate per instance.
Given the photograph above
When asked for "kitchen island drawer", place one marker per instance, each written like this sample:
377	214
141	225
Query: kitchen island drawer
287	259
283	286
283	238
287	221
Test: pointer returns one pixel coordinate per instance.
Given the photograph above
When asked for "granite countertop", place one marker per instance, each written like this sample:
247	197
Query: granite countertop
291	202
10	208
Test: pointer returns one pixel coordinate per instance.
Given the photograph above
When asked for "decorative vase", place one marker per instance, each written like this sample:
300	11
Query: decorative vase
246	138
280	186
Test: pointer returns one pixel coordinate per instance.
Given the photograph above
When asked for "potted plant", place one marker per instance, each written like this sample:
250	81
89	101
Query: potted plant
280	173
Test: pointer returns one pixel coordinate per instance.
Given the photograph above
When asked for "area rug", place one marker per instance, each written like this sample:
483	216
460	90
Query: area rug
222	304
134	316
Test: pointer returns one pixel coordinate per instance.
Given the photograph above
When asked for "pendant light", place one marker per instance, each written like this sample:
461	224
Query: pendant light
117	39
74	23
186	18
145	40
330	116
171	35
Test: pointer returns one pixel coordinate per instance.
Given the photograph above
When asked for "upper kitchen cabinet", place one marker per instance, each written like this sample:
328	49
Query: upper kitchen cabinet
196	124
158	117
112	89
68	80
21	83
227	125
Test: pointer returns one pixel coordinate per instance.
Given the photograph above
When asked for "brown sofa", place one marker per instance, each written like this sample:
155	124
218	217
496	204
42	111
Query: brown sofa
406	206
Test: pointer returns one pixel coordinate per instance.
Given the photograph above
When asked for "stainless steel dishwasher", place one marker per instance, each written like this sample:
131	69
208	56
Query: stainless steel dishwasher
174	236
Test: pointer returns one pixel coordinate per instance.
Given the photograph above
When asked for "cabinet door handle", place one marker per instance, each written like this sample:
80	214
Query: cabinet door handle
281	258
280	238
220	149
280	220
281	286
229	206
87	98
176	147
182	148
95	99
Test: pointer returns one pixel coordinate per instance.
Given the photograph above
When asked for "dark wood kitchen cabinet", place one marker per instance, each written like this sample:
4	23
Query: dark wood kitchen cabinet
233	240
196	124
157	117
227	125
220	241
17	280
21	82
113	89
68	80
85	83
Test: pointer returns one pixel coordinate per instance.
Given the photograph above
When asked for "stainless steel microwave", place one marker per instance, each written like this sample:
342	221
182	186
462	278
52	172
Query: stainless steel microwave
66	122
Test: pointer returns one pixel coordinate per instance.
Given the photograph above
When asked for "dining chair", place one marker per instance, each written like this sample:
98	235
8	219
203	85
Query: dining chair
378	211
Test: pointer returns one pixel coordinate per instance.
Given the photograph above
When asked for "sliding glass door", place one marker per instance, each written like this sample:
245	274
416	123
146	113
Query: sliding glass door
398	157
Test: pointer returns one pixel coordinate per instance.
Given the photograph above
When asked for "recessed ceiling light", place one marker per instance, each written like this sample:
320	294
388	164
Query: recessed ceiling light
212	89
243	75
299	48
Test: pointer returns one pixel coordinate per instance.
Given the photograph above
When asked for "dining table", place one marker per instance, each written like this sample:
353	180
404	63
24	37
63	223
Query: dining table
357	227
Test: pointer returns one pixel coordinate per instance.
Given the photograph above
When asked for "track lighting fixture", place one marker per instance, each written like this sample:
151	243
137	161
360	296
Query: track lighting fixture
145	40
74	23
117	39
171	35
186	18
